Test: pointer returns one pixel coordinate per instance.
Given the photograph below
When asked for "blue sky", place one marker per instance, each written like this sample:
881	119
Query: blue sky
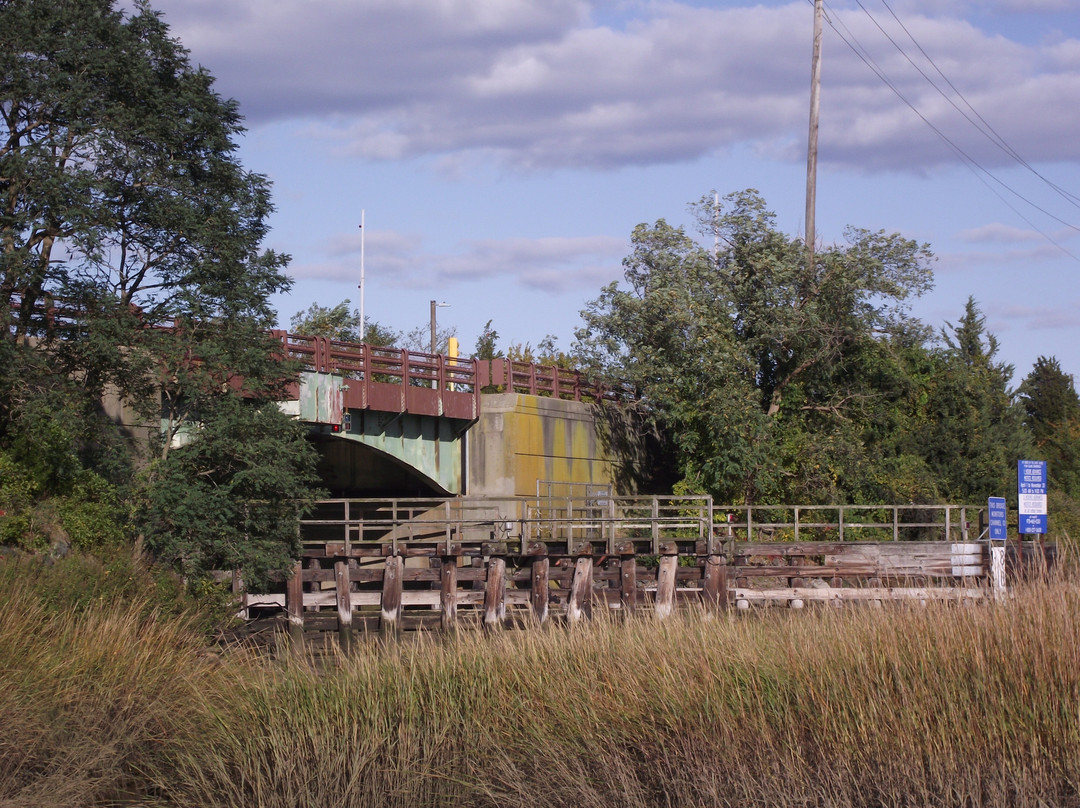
503	150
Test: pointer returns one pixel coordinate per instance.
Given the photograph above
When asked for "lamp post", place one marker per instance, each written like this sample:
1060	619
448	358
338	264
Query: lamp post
435	305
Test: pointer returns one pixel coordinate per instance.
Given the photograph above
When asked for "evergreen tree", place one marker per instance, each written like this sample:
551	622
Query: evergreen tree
1052	414
974	432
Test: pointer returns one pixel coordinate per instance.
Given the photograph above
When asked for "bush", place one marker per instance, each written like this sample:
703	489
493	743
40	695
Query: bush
18	492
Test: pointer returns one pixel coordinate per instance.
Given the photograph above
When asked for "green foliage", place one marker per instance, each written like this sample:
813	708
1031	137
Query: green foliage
1052	414
132	266
93	515
18	492
974	433
230	497
771	376
546	353
487	344
338	322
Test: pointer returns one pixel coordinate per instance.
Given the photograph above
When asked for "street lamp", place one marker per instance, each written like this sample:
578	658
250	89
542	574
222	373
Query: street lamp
435	305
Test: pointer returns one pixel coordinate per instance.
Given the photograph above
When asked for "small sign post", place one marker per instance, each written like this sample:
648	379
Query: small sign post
1031	485
998	532
998	517
1031	490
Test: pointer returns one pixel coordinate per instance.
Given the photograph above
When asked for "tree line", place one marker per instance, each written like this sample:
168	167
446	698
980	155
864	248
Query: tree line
778	379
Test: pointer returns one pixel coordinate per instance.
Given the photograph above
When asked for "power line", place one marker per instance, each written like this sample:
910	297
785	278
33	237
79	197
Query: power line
983	125
970	162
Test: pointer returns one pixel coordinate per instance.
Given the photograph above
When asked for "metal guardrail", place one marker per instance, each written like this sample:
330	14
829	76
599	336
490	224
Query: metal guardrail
690	524
944	522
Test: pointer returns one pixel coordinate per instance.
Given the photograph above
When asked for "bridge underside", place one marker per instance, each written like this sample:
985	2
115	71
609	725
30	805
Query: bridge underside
393	454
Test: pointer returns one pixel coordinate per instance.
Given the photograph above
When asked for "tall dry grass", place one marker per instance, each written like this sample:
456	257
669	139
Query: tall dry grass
938	706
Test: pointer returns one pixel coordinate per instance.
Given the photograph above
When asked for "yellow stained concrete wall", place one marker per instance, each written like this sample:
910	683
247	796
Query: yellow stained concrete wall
520	439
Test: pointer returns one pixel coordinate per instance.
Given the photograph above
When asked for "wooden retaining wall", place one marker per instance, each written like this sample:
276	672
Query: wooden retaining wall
393	565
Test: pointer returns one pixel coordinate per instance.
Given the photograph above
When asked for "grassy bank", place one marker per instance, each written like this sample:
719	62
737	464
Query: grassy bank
950	706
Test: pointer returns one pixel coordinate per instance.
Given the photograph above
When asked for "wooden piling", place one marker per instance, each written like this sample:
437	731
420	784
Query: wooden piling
580	603
391	595
294	605
344	604
628	591
448	595
665	586
495	594
539	595
715	583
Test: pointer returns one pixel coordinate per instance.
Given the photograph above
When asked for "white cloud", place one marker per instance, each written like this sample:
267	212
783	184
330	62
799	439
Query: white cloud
536	84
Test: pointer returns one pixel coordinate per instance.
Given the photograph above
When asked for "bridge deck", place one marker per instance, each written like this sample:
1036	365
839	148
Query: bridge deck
400	380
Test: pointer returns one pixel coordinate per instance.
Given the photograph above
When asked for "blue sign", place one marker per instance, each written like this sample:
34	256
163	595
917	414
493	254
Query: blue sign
1031	490
998	518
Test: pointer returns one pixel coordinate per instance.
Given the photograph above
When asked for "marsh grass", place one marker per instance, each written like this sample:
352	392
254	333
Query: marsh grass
938	706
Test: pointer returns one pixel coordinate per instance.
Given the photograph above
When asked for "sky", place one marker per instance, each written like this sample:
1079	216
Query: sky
502	151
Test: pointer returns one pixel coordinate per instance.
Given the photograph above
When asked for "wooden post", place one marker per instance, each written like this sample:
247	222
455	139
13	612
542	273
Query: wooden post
580	603
313	564
716	583
241	595
539	595
628	593
495	594
665	586
448	596
294	604
344	604
391	595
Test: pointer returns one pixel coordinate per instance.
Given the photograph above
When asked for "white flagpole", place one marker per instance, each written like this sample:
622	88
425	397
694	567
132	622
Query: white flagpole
363	325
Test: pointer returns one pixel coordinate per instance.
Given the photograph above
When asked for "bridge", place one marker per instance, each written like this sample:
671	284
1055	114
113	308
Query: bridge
492	489
390	421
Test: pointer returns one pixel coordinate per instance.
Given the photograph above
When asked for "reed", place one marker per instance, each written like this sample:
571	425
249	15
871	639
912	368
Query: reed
938	706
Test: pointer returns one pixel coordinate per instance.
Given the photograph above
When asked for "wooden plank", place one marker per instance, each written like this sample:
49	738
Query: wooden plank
294	604
448	594
715	583
861	593
628	589
429	598
344	604
665	586
391	594
580	603
257	600
539	599
495	593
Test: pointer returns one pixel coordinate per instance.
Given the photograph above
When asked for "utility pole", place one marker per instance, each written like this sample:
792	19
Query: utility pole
812	148
434	336
363	325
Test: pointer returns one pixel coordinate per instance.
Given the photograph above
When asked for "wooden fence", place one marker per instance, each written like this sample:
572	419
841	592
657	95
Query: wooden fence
394	564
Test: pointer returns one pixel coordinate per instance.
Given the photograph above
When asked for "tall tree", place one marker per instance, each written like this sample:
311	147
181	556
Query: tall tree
1052	414
748	354
974	431
130	235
